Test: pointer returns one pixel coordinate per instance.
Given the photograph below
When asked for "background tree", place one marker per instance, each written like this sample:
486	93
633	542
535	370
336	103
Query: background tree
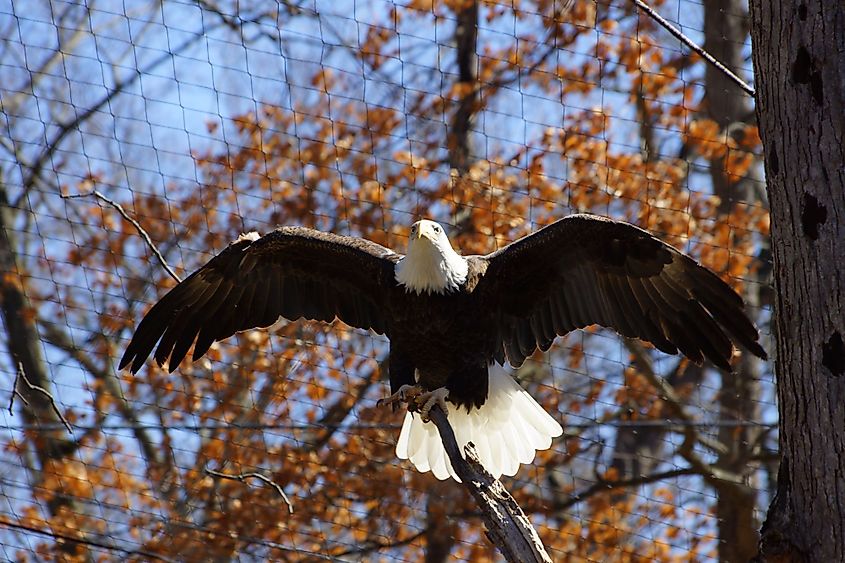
801	111
194	122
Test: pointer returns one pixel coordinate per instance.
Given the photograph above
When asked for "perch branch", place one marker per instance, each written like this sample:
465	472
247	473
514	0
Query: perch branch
507	526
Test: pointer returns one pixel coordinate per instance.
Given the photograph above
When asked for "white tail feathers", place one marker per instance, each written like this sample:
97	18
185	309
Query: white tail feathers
507	430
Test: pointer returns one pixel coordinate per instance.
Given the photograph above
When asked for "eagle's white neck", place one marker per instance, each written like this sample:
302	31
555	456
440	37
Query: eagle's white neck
431	268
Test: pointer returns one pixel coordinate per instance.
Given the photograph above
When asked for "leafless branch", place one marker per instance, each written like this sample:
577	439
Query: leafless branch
606	485
692	45
369	547
691	435
11	104
60	339
38	388
15	390
64	129
239	21
138	227
334	416
507	526
82	541
242	477
670	396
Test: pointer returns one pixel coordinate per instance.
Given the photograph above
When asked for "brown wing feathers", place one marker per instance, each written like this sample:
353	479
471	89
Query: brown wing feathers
579	271
586	270
293	272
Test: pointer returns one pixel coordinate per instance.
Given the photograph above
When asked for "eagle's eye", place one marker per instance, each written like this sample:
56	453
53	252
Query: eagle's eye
436	229
414	229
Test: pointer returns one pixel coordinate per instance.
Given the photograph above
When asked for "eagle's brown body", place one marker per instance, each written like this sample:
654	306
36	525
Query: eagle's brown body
457	325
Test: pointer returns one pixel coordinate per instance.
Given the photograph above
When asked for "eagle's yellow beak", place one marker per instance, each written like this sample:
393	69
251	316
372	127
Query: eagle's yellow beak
424	230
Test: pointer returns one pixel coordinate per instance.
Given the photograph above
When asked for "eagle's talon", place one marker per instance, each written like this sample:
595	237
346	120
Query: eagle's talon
405	394
417	399
426	401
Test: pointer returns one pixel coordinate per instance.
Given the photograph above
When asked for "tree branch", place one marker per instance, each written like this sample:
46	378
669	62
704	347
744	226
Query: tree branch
66	128
138	227
82	541
21	375
507	526
670	396
605	485
692	45
60	339
242	477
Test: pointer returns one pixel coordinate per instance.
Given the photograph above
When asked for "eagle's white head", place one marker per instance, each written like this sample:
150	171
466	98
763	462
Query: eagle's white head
431	264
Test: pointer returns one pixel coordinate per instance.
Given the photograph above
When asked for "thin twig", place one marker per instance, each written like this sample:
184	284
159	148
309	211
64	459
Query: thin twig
44	392
692	45
604	485
138	227
691	436
64	129
242	477
507	525
15	390
668	394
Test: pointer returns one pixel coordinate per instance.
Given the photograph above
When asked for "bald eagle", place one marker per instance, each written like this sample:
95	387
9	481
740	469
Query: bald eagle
449	317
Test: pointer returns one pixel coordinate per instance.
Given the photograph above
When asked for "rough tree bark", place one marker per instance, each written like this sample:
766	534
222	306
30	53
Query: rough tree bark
799	61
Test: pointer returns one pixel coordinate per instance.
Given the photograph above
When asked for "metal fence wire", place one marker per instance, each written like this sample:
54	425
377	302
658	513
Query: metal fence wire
138	138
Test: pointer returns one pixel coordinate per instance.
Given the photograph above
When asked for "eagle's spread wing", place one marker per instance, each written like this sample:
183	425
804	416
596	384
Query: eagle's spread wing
585	270
291	272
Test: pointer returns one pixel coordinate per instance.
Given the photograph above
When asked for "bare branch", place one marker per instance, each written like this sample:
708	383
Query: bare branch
64	129
138	227
670	396
15	390
371	546
507	526
61	340
334	416
44	392
692	45
82	541
605	485
242	477
714	475
551	48
11	104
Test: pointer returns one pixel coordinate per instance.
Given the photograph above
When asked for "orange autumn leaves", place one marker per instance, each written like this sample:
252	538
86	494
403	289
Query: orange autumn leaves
297	403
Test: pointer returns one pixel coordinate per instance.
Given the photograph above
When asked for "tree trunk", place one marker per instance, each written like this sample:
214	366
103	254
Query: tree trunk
799	61
32	387
441	529
466	59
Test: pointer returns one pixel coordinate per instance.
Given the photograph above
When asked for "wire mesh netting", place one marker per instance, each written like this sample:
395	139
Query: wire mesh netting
139	137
